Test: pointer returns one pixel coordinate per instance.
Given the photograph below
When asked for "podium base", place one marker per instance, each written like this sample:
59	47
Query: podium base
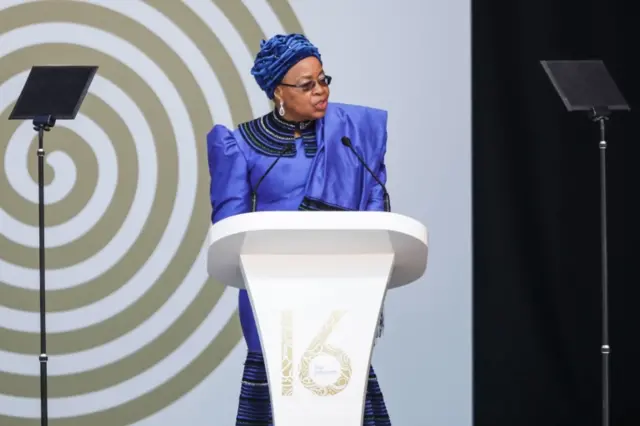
317	317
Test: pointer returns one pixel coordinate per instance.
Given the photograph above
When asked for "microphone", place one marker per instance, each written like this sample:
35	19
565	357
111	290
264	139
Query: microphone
387	203
254	194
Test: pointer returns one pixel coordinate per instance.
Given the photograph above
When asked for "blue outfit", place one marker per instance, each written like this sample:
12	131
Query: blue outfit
317	172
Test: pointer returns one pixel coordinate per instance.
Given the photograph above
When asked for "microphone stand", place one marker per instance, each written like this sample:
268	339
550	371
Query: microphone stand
254	193
600	115
387	202
42	124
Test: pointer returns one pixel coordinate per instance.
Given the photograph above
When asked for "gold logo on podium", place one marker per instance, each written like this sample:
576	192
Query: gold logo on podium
318	348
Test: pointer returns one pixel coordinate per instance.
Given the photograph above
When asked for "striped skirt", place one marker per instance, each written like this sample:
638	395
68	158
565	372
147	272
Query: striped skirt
255	406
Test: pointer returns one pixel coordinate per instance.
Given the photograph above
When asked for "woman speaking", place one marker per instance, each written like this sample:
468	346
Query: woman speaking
315	144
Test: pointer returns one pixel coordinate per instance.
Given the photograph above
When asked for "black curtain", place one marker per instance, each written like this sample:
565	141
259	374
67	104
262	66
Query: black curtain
536	220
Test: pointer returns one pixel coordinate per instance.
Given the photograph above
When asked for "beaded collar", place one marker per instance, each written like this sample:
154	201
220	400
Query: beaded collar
270	134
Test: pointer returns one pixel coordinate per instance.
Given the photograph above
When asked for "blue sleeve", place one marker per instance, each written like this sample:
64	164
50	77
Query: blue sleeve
230	189
376	198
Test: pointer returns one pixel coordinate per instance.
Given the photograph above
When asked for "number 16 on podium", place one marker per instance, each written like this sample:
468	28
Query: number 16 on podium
319	359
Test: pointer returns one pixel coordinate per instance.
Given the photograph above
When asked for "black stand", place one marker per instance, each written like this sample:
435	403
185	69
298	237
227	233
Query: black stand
600	115
587	86
50	92
41	125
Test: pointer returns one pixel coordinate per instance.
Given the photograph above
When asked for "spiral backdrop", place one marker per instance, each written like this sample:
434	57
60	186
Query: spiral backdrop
133	321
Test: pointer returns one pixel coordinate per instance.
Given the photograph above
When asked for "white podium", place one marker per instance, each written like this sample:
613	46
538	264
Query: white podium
317	281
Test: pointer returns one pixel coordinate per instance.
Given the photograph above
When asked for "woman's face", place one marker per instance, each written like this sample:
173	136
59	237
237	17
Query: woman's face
304	90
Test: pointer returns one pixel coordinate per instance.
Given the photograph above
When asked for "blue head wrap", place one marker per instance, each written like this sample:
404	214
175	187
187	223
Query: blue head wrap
277	55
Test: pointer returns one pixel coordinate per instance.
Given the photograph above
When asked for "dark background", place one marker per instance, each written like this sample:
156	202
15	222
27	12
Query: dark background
537	287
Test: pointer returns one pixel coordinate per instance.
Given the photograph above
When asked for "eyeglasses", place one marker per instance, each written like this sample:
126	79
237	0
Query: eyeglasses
310	85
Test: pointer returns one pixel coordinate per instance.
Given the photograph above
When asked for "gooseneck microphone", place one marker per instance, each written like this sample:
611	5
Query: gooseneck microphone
387	203
254	194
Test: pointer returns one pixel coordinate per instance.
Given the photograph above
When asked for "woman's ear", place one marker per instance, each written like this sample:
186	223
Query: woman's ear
277	96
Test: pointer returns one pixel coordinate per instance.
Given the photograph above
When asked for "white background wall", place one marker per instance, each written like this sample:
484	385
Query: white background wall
411	57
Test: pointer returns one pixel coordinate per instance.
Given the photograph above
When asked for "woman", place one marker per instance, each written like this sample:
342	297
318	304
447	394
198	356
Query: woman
315	172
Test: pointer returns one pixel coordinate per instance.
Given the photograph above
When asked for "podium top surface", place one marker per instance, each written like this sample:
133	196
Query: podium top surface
317	233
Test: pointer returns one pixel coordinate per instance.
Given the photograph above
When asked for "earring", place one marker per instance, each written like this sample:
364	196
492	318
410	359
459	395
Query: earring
281	110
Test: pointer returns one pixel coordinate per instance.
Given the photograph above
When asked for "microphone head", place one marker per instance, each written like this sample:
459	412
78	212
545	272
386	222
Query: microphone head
346	141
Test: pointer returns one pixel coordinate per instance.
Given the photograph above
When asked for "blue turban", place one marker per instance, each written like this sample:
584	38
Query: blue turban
277	55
